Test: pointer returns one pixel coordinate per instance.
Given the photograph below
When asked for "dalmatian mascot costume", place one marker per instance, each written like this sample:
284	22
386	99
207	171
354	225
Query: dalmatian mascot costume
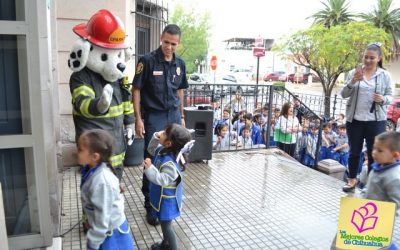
101	97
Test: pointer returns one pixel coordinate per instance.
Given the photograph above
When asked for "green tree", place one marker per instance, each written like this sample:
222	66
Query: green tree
331	51
195	35
389	20
335	12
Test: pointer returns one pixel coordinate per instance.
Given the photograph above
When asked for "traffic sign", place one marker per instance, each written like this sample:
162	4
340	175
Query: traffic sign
259	42
213	63
258	52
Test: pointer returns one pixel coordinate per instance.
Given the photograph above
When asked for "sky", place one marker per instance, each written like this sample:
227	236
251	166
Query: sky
262	18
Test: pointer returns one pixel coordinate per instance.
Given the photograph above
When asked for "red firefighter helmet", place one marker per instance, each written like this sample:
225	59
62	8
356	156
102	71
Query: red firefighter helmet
104	29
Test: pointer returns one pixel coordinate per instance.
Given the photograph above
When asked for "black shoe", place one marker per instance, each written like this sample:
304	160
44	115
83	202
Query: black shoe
160	246
151	220
349	188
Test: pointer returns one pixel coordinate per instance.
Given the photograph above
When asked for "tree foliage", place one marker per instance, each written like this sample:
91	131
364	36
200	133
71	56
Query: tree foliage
335	12
383	17
195	37
331	51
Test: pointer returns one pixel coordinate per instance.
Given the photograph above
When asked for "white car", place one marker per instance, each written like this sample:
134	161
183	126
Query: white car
203	84
241	84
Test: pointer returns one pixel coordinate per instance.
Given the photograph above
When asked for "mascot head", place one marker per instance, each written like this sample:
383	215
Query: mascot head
102	46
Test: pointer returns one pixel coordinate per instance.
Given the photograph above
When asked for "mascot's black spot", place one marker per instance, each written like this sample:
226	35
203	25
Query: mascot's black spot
72	55
91	48
79	53
76	64
69	64
104	57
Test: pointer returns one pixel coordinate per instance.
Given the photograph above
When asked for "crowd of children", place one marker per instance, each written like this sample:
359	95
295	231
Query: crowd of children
238	129
235	129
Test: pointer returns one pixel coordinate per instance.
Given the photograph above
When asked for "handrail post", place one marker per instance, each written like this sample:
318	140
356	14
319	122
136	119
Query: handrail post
318	145
334	106
270	100
3	230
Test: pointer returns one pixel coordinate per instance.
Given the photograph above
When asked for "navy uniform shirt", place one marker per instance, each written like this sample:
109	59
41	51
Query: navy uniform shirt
159	80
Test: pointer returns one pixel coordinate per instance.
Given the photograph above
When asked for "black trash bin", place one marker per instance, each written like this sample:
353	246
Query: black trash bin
201	120
134	153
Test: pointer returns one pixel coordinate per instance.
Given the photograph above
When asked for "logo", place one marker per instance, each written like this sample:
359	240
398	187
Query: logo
363	218
365	224
178	71
118	36
139	68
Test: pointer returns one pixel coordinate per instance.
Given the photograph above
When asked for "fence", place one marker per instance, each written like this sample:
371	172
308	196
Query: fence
258	107
316	104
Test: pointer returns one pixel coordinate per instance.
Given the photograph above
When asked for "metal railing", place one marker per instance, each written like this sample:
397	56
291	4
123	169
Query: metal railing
262	101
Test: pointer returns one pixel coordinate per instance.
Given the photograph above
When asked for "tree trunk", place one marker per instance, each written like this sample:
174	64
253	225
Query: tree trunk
327	104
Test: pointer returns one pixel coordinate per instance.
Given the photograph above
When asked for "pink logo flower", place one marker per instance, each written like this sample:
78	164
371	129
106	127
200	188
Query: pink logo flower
363	218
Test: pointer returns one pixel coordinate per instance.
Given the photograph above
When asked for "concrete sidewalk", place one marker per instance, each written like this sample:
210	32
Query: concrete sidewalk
239	200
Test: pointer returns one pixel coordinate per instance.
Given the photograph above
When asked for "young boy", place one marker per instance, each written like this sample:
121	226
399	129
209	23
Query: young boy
384	179
341	151
244	140
328	142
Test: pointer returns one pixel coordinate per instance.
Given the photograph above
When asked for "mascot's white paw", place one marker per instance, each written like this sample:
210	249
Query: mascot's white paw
129	133
105	99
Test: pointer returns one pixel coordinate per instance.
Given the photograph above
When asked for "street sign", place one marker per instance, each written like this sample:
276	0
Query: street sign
258	52
213	63
259	42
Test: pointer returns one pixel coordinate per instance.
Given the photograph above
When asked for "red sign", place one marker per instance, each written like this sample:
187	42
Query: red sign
213	63
258	52
259	42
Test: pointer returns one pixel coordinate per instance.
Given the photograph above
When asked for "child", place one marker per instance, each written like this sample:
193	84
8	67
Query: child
311	146
256	130
328	142
223	137
216	105
245	140
101	194
384	179
341	151
264	115
226	119
165	178
238	123
301	143
340	119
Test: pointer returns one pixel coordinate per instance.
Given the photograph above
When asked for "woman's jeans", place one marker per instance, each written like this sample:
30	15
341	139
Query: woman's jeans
357	131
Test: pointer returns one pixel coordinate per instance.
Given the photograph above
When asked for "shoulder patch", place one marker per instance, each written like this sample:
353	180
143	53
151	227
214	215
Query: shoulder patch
139	68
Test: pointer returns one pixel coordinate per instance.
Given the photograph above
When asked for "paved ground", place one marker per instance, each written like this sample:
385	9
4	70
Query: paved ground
239	200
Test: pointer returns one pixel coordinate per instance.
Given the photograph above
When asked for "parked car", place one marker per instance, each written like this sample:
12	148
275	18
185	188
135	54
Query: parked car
393	113
302	78
203	83
199	81
275	76
243	83
244	73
